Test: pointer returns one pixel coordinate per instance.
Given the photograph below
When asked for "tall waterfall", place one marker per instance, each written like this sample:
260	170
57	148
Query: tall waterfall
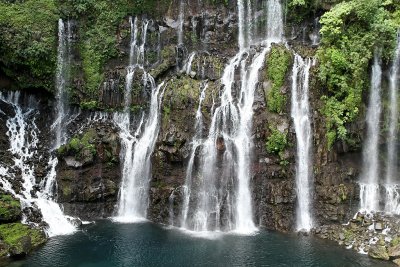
222	197
392	200
23	135
369	186
62	77
138	146
302	123
181	21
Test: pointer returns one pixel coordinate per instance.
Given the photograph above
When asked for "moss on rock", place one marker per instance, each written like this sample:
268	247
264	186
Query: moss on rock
20	239
10	209
81	147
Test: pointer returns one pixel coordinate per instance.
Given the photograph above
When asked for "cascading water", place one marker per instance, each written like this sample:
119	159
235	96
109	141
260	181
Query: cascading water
23	136
223	198
137	147
275	21
63	59
302	123
369	186
188	65
392	199
196	142
136	176
181	22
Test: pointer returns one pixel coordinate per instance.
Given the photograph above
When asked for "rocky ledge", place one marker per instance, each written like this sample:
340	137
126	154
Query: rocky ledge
16	239
377	235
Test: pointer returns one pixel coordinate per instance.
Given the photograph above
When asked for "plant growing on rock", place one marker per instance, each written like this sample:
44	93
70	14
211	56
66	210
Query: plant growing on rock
350	33
278	63
276	142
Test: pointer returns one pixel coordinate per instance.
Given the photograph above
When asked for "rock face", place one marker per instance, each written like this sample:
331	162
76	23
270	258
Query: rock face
89	169
88	173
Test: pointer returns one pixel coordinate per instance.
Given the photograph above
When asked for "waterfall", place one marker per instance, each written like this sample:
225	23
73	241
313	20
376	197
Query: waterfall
62	73
181	20
196	142
223	198
392	200
302	123
137	147
187	68
315	36
23	136
275	31
369	187
136	176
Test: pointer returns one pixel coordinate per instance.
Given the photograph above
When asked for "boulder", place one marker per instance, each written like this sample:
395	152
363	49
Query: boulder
378	226
378	252
397	262
394	251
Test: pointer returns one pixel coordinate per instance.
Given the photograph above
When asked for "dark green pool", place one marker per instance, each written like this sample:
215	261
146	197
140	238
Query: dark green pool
107	244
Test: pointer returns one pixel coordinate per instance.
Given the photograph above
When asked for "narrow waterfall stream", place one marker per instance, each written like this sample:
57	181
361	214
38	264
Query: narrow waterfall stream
369	182
137	147
196	142
181	21
392	198
62	77
302	122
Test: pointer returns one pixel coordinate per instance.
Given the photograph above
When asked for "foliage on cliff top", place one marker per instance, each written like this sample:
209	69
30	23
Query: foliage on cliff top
28	42
350	33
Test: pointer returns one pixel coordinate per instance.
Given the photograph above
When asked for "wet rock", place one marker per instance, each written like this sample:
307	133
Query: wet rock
397	262
394	251
72	162
378	252
341	236
378	226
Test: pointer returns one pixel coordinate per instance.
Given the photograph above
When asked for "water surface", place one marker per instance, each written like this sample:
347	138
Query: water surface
106	244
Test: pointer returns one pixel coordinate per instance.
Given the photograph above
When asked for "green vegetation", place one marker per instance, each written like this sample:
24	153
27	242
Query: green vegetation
10	208
99	22
90	105
298	10
351	31
278	63
20	238
277	141
81	147
28	42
